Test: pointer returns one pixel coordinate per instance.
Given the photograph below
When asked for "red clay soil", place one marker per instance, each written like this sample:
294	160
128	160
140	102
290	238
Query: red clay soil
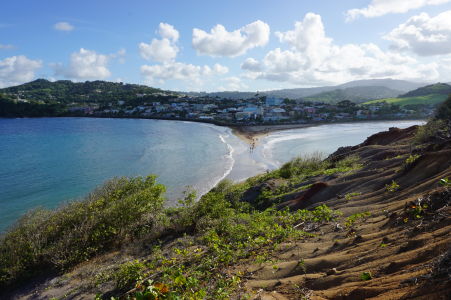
408	257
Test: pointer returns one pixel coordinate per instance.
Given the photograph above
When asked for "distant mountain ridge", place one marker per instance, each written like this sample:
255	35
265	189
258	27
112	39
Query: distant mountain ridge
368	89
357	94
65	91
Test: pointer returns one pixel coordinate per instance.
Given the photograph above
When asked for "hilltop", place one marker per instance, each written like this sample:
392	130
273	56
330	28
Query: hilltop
370	221
433	89
428	95
66	91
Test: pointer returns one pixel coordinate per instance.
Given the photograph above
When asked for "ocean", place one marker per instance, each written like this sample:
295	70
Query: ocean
48	161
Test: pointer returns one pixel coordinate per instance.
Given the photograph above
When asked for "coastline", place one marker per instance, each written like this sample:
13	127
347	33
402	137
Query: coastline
253	133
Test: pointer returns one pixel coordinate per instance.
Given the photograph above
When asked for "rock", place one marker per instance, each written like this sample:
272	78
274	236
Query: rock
332	271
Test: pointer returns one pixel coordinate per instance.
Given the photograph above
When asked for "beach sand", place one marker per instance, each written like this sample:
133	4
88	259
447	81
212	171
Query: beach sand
252	134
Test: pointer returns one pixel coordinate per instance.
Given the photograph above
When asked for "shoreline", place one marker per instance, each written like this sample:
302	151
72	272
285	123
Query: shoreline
251	134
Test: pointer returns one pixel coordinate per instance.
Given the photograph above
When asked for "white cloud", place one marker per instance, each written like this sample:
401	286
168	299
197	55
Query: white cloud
251	64
17	70
382	7
314	59
180	71
423	34
164	50
6	47
220	42
85	65
233	84
168	31
158	50
379	8
120	55
63	26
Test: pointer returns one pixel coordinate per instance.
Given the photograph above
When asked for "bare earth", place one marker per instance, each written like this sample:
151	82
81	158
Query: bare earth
407	258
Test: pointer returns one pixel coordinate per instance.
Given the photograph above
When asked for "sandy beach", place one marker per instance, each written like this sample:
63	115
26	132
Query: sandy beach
252	134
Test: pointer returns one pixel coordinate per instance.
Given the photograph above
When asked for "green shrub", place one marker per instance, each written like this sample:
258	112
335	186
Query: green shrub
349	196
411	159
44	239
444	110
302	165
350	221
392	187
366	276
128	274
429	130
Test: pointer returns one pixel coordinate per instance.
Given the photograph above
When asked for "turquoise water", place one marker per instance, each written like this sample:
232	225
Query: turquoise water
47	161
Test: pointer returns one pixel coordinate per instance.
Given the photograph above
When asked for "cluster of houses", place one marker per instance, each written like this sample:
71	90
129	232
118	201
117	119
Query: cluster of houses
252	111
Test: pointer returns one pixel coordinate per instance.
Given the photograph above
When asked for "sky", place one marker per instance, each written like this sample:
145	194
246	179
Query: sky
228	45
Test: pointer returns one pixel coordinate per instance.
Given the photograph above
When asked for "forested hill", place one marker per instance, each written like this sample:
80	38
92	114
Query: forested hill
435	89
66	91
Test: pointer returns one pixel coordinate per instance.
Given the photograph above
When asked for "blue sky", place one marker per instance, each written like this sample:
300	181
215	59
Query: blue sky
225	45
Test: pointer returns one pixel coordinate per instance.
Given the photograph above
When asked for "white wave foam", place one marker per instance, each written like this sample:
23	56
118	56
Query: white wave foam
228	166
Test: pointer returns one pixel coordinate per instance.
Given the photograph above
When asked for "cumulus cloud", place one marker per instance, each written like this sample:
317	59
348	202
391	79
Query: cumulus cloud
379	8
251	64
314	59
63	26
220	42
232	84
168	31
85	65
423	34
16	70
164	49
180	71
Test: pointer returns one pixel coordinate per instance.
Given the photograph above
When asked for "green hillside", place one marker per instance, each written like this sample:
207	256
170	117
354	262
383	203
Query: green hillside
433	89
427	99
66	91
355	94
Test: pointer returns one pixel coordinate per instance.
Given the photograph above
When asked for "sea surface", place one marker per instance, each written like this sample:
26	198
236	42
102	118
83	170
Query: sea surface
48	161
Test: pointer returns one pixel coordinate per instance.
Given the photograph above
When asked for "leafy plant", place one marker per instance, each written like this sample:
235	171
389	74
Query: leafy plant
411	159
392	187
445	182
128	274
366	276
349	196
353	218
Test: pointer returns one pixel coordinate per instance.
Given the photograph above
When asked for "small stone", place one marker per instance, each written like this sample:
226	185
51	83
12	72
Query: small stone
332	271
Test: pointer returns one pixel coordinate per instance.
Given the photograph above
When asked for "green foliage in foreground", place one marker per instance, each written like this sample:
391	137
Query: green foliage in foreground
55	240
439	128
214	233
225	236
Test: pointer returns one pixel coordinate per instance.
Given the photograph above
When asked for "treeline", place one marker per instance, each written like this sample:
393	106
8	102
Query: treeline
66	91
15	109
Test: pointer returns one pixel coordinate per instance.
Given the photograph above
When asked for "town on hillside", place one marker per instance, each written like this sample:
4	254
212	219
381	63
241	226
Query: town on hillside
41	98
256	110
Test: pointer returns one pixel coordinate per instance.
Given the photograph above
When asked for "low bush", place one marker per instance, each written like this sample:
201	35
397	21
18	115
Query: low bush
121	209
